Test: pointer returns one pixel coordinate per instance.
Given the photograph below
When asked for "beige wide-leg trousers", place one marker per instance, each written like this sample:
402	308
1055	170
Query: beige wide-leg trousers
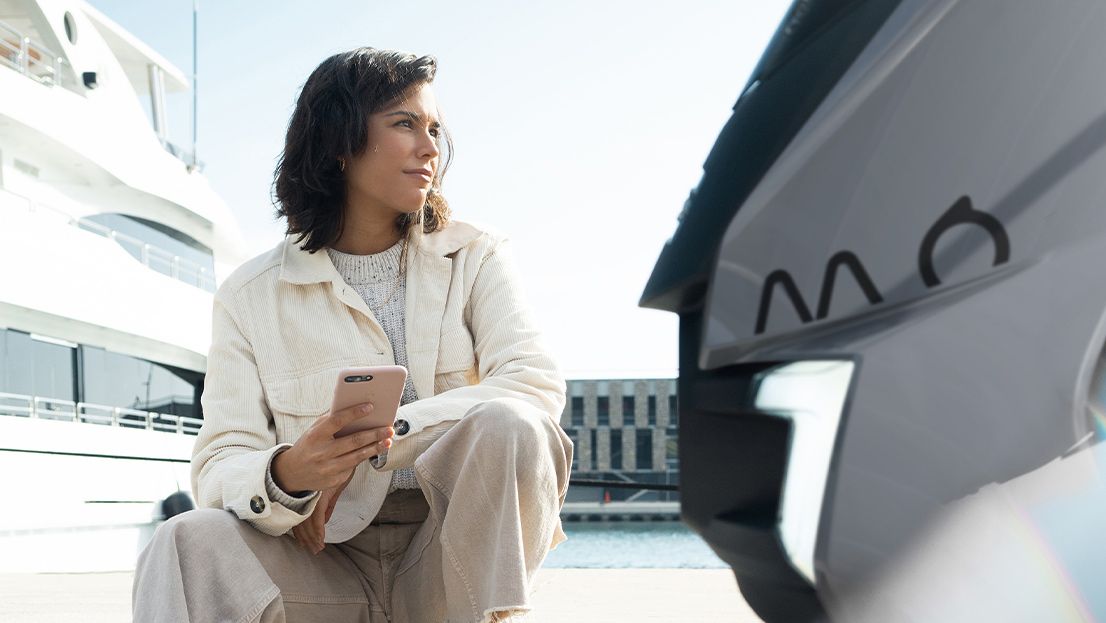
466	545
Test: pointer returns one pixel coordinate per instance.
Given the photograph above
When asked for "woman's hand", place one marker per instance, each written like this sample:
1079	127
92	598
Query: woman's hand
318	461
310	533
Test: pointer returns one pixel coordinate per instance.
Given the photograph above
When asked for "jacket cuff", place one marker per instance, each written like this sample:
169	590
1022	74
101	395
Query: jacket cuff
294	503
246	495
409	446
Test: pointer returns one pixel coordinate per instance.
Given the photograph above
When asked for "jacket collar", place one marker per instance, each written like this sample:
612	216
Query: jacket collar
300	267
429	272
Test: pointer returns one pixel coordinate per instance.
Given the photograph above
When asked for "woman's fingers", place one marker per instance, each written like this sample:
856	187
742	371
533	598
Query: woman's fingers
334	497
318	519
310	533
330	508
350	460
349	443
304	535
338	420
317	457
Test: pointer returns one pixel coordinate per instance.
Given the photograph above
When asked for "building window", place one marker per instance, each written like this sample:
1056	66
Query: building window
604	410
574	436
652	410
671	449
577	417
644	448
627	410
616	449
594	451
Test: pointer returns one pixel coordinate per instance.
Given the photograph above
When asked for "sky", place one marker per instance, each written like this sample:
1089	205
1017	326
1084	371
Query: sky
579	128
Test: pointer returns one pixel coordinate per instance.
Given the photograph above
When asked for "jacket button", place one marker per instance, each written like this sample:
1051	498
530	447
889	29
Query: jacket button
402	427
257	504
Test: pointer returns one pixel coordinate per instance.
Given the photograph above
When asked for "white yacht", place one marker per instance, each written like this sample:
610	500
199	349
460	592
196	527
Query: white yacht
112	245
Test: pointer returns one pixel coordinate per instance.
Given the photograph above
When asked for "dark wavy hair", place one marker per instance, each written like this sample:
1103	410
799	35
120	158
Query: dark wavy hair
331	121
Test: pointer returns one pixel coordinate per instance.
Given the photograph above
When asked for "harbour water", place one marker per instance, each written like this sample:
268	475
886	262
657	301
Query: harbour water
623	545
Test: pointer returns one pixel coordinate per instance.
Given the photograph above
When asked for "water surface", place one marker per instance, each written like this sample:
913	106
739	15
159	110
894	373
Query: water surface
617	545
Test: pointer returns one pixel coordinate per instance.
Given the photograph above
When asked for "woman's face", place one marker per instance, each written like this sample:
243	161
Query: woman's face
394	173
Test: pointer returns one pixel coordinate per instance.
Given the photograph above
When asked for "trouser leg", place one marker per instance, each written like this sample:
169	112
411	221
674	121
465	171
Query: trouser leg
378	549
208	565
495	484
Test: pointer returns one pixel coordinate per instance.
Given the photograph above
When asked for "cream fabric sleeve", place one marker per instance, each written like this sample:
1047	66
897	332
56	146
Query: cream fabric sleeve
230	460
512	361
294	503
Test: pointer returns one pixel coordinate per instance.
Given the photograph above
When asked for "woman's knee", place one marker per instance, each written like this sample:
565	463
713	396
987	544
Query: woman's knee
509	419
519	426
198	527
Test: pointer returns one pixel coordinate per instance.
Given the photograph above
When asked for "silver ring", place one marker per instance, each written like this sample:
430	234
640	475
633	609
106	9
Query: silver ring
379	460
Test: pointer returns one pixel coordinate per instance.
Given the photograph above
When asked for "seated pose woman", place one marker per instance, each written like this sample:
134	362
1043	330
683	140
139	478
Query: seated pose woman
460	504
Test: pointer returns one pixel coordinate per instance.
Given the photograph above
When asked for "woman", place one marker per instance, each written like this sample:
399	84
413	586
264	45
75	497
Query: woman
461	504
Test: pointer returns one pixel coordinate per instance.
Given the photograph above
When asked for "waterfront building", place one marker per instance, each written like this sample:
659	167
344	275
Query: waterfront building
624	430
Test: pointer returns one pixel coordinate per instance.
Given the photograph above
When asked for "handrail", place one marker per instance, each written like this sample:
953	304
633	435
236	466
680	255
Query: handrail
39	407
177	267
28	57
55	409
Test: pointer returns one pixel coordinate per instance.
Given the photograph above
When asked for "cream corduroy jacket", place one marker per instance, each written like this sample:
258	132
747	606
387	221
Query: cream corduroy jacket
285	323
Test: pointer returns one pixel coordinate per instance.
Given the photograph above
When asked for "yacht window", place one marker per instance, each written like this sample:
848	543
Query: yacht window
117	380
70	28
31	367
194	263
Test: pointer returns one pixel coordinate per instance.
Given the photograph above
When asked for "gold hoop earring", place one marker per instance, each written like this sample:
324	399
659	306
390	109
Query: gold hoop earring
341	165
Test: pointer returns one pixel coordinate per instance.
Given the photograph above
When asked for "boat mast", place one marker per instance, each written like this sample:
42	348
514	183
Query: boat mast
195	89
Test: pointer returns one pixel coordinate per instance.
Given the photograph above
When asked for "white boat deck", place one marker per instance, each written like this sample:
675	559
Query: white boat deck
560	595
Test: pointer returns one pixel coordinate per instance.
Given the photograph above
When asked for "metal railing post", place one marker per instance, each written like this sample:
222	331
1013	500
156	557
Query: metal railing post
24	55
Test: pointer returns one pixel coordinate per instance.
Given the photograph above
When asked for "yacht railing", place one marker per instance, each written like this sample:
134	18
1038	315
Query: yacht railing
156	258
30	58
37	407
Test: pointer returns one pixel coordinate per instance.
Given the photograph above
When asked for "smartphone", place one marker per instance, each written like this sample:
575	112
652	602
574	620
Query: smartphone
380	385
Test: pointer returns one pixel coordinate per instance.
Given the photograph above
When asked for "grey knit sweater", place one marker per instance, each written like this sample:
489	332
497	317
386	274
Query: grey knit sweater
377	279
